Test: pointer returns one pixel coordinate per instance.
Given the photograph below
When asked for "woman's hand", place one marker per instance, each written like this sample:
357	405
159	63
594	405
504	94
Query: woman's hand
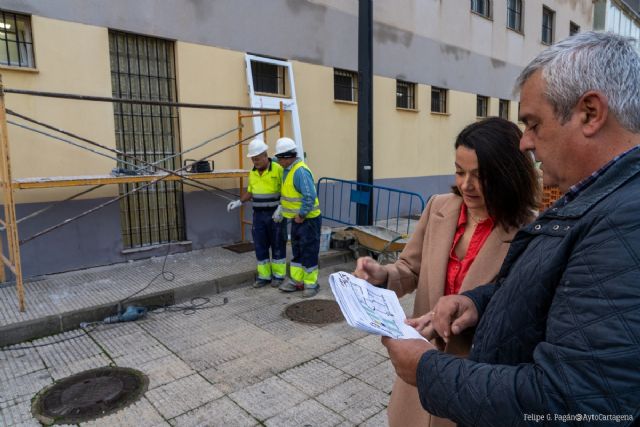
424	325
368	269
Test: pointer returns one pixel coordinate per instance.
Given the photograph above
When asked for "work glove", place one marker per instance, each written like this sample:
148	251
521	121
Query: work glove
235	204
277	214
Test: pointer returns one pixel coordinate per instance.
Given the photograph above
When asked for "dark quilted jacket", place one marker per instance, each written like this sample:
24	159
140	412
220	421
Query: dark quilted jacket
560	327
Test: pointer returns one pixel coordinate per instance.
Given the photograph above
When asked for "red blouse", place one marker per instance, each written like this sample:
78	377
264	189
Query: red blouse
457	269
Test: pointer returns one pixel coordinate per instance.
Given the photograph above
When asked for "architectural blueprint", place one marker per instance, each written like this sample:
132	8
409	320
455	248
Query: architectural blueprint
371	309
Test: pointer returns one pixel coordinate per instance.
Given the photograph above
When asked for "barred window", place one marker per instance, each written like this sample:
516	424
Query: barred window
503	109
438	100
482	106
405	95
548	17
268	78
345	85
481	7
16	44
514	15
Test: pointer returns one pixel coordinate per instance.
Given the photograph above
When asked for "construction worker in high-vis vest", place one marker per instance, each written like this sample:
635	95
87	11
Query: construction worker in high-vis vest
265	182
299	204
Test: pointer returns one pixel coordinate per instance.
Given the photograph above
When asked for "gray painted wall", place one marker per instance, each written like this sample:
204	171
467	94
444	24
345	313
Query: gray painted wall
96	238
291	29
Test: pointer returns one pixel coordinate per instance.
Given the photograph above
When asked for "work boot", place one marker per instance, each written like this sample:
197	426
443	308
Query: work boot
291	286
310	290
276	282
260	283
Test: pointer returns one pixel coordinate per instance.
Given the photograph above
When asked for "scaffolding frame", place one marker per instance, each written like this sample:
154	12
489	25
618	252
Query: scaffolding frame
10	185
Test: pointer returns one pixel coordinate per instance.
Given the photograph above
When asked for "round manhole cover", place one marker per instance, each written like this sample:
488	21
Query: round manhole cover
89	395
317	311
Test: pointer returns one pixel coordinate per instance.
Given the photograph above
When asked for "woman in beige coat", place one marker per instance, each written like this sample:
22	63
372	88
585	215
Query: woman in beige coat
460	240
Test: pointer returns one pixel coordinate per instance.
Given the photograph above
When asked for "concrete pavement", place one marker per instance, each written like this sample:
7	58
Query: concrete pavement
236	364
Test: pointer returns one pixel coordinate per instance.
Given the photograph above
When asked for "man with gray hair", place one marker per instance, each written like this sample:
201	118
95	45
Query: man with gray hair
557	337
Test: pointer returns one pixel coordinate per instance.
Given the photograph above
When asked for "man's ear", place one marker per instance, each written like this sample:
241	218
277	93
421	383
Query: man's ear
593	108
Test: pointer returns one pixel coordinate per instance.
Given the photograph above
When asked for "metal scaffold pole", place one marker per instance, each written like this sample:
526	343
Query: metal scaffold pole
10	222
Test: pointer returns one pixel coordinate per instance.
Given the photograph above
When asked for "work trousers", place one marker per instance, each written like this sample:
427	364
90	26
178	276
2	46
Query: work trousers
305	245
269	235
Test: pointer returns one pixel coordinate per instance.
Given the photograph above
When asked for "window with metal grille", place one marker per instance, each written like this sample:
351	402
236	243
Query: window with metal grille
481	7
548	17
345	85
405	95
482	106
268	78
144	68
16	44
514	15
573	28
503	109
438	100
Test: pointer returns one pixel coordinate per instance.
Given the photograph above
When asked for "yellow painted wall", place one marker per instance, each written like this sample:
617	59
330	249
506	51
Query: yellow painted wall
70	58
328	127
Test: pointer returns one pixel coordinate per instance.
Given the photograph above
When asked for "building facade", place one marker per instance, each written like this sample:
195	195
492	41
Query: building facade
438	65
618	16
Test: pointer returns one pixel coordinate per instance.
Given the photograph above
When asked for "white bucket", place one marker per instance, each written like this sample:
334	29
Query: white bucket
325	238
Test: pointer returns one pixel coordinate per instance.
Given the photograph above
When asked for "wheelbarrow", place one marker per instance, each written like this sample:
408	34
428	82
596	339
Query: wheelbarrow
382	243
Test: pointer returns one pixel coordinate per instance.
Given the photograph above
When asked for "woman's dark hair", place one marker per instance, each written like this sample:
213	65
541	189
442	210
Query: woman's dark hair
509	179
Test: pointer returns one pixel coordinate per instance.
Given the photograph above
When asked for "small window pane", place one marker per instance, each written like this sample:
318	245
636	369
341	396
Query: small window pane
547	25
514	15
16	44
481	7
482	106
268	78
504	109
438	100
405	95
345	85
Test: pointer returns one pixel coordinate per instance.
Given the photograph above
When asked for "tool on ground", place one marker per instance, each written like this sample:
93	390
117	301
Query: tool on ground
130	314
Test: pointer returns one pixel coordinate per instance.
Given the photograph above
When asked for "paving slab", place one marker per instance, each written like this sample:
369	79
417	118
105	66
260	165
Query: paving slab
60	302
307	413
239	363
222	412
268	398
354	400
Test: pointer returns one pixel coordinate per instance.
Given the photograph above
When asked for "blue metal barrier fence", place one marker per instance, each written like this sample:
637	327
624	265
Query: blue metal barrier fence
391	208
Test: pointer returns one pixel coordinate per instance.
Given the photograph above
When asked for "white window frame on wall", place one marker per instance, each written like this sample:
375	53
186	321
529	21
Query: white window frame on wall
262	100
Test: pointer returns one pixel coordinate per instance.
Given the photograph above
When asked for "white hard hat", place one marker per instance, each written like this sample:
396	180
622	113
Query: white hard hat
256	147
284	145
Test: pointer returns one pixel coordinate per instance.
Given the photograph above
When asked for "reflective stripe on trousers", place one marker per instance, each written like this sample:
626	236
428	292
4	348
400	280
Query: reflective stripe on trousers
270	239
305	245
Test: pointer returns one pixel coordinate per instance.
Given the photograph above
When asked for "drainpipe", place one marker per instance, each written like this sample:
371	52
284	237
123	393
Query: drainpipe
364	213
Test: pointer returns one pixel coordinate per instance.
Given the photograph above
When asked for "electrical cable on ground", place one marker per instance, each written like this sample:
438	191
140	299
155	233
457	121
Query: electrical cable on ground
196	303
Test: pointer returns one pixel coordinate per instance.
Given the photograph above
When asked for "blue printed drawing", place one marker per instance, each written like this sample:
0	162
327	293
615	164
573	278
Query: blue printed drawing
378	311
